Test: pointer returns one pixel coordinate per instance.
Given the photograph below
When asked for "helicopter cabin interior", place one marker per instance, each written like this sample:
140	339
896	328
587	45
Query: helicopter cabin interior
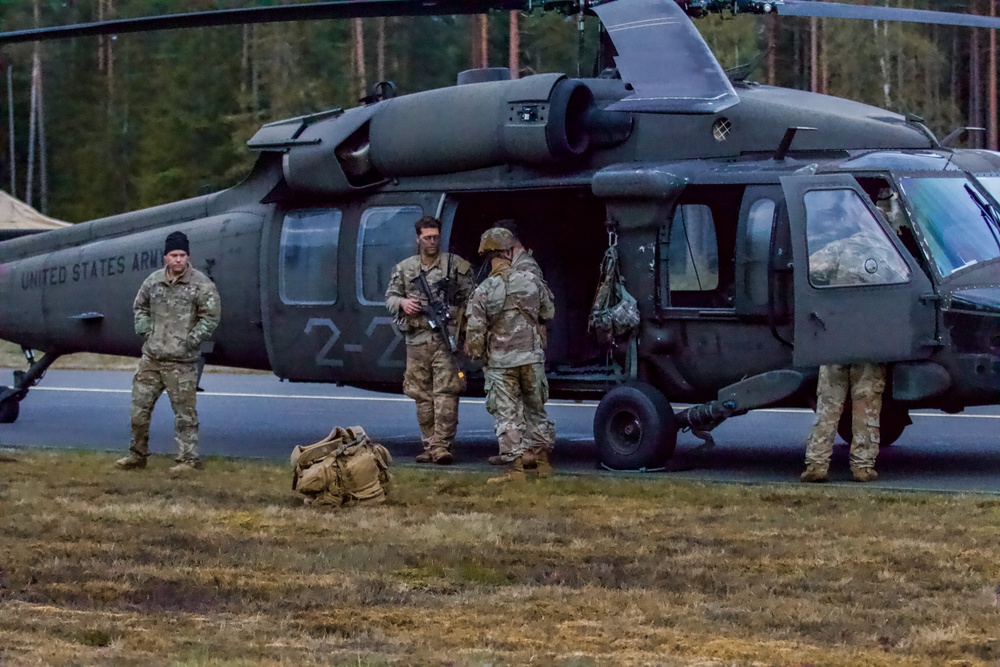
565	231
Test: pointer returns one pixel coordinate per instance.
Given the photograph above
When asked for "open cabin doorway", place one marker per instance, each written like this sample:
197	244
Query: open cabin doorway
565	231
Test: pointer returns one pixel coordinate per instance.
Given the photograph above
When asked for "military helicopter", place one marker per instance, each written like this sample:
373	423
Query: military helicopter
716	192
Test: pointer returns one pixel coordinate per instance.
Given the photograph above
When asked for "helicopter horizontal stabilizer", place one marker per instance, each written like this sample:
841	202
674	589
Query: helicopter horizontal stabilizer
875	13
663	57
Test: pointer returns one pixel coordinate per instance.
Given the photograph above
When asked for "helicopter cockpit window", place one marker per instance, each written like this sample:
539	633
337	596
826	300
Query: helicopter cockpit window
307	270
958	231
385	239
694	250
847	245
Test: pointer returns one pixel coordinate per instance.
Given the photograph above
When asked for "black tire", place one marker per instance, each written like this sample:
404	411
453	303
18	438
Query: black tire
893	420
634	427
9	410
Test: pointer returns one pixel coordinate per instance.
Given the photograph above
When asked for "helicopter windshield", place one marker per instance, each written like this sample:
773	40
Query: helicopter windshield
957	223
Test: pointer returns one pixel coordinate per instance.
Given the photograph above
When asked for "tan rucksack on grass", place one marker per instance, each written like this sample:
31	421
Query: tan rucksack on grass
346	468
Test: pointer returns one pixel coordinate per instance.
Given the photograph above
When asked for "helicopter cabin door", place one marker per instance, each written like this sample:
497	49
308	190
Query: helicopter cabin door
324	299
859	294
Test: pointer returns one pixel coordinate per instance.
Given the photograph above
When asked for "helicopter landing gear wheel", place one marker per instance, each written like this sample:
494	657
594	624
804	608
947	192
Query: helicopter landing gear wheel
9	411
893	420
634	427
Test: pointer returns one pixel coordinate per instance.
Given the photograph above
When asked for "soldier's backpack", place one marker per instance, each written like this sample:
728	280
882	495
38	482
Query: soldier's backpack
344	469
615	313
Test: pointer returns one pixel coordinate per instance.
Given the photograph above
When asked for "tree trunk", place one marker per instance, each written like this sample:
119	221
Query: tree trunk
33	112
484	41
515	46
32	128
975	98
882	38
380	49
43	172
772	31
824	63
360	75
991	82
10	130
813	54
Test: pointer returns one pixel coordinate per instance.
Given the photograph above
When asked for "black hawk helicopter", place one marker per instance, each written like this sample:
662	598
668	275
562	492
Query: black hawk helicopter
717	191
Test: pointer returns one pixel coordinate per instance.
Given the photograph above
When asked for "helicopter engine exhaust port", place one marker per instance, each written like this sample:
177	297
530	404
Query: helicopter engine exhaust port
537	120
634	428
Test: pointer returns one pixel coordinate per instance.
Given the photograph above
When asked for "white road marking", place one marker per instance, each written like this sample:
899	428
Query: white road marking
225	394
468	401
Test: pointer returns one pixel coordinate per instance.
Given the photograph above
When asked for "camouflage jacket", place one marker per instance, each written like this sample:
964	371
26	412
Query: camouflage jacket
176	316
504	318
403	284
524	261
862	258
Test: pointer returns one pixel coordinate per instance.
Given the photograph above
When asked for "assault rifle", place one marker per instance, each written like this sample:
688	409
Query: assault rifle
438	316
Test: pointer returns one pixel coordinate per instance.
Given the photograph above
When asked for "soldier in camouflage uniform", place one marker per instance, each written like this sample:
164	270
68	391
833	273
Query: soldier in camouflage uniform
863	257
176	309
432	378
504	315
523	260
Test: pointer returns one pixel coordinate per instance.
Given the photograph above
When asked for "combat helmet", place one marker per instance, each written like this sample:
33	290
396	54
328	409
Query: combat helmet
496	238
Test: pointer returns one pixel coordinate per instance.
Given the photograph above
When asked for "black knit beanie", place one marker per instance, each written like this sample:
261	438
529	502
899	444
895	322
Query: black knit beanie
176	241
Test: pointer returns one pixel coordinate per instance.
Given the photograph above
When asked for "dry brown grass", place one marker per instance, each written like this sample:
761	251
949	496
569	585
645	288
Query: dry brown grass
112	568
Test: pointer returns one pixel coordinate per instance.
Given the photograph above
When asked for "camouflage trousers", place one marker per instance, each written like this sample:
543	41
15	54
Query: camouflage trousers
866	382
516	397
432	380
180	380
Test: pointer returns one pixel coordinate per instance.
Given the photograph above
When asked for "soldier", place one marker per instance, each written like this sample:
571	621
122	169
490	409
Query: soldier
176	309
523	259
432	378
864	256
504	316
866	382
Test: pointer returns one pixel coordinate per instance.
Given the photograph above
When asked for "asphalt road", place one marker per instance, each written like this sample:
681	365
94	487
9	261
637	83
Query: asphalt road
259	416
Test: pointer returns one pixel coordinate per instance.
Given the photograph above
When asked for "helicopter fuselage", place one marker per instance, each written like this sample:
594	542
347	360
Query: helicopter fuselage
714	216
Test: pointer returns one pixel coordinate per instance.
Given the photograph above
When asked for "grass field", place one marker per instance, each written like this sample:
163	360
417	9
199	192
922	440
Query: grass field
102	567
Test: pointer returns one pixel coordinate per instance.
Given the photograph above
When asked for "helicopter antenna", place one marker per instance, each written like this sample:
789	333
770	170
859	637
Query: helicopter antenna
741	73
786	141
960	134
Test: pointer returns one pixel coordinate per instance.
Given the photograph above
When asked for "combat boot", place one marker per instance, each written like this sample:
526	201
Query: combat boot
515	473
425	457
814	473
441	456
528	459
864	474
131	462
544	468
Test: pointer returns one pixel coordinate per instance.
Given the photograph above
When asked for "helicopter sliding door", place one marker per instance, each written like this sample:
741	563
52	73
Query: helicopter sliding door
859	295
325	294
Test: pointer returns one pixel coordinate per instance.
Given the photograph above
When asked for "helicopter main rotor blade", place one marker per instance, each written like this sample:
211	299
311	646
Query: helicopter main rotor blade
330	9
875	13
664	58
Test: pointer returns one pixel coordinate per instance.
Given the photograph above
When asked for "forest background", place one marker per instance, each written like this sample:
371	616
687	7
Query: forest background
137	120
